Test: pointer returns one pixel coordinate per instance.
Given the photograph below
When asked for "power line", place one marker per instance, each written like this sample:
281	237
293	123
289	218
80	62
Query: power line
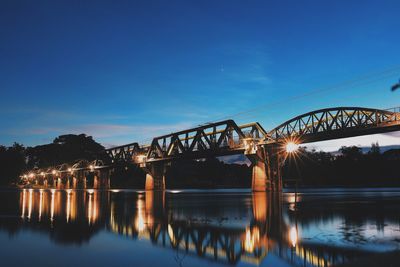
339	86
363	79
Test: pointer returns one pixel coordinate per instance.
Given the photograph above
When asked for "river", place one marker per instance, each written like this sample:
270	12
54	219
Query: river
313	227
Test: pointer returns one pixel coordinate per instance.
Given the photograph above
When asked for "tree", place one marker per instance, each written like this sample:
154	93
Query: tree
351	152
375	149
65	149
12	163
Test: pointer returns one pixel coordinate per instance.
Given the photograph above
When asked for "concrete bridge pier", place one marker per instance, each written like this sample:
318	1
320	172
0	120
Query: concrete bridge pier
74	183
260	181
102	179
266	173
275	159
63	179
79	179
155	176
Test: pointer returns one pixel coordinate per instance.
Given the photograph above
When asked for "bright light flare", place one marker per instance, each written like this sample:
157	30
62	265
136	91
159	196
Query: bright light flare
141	158
291	147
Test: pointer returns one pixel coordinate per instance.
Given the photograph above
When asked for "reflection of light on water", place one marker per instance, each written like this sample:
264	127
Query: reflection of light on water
115	190
90	191
90	208
23	203
52	205
139	222
95	207
112	220
293	236
309	256
252	239
292	199
30	203
171	234
175	191
40	204
68	204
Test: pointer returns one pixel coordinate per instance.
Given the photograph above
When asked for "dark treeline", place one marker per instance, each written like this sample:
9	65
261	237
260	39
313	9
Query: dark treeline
12	163
350	167
64	149
17	159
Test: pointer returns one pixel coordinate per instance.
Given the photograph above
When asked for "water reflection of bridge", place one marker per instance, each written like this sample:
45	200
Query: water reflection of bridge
161	219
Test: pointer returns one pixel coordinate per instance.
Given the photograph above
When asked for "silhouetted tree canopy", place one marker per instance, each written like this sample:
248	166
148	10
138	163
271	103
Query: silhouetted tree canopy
349	168
64	149
12	162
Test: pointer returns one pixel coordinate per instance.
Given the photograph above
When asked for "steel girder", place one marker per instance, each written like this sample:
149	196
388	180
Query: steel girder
124	153
214	139
334	123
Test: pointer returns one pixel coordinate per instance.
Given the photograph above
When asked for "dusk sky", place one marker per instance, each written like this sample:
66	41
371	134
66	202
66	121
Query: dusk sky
125	71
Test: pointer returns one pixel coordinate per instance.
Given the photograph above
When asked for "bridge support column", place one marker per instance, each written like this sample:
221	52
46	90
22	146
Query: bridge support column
155	177
96	181
80	179
74	182
266	173
259	179
275	164
102	179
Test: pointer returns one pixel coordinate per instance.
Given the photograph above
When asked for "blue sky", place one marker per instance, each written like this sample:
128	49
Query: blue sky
125	71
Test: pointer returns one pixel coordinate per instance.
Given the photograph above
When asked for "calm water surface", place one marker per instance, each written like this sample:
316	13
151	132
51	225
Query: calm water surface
196	228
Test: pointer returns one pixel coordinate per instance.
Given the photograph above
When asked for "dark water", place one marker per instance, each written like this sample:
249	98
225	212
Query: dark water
196	228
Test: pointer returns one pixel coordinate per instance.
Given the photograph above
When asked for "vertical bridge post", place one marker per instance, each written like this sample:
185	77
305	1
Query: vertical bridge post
266	169
155	176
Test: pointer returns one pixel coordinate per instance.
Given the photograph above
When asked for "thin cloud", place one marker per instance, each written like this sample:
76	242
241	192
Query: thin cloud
112	134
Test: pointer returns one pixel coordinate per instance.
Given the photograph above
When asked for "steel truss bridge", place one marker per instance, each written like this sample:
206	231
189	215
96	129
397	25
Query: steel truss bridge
265	149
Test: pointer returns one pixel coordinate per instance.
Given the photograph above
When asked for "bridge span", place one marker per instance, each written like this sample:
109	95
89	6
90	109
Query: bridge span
267	150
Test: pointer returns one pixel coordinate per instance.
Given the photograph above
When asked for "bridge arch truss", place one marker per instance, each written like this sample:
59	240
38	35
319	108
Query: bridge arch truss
334	123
